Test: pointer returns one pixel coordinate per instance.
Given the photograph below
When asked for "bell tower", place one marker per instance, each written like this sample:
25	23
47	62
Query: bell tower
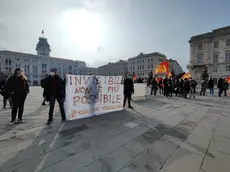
43	47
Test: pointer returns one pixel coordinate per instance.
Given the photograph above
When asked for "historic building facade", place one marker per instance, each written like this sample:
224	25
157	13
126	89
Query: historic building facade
36	66
142	64
119	68
211	50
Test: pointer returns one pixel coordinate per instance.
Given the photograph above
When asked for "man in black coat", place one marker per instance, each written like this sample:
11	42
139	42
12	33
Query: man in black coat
55	90
17	86
128	90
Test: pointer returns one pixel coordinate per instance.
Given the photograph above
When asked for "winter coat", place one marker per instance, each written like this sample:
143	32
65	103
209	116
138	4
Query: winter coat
17	85
128	86
60	87
226	85
154	83
220	84
211	83
204	84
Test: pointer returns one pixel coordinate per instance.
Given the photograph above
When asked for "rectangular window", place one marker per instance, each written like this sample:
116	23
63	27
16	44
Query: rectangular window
216	44
227	58
200	47
152	66
151	59
215	58
228	42
227	68
148	60
199	59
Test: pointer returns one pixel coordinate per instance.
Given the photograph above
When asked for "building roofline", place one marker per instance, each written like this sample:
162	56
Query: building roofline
34	55
110	63
209	35
142	55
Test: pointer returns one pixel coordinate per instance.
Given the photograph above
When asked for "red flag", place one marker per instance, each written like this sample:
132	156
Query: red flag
163	67
186	75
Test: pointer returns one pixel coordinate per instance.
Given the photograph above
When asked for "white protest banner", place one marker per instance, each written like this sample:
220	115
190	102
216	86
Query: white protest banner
92	95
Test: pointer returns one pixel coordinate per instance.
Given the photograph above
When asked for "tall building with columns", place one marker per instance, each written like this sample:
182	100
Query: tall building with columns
211	50
36	66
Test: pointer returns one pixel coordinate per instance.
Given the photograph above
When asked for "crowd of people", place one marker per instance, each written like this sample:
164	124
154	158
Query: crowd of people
186	87
169	86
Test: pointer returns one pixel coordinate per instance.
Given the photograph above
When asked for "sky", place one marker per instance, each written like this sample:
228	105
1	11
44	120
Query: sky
102	31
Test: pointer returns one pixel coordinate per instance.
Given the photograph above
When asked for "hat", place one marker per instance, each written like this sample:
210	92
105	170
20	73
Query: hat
53	70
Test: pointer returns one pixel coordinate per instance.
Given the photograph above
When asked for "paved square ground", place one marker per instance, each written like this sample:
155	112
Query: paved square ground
158	135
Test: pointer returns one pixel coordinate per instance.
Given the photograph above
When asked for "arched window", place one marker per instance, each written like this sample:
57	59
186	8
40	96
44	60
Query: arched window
6	61
199	59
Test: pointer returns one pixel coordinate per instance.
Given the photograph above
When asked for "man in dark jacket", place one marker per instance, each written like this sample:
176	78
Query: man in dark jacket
17	86
154	86
211	86
220	85
128	90
55	90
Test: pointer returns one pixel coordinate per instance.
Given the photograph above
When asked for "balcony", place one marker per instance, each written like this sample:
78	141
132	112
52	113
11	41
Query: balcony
196	64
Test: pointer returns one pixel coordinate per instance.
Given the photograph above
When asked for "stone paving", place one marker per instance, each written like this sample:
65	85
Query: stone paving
158	135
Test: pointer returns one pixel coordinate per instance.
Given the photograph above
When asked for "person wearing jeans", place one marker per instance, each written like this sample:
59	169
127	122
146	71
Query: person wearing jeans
55	90
17	86
211	86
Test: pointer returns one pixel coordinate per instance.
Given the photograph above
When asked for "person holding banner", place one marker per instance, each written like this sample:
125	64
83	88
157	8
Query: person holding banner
128	90
55	90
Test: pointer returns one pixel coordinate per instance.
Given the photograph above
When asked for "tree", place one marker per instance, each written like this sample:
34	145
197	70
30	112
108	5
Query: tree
205	74
150	78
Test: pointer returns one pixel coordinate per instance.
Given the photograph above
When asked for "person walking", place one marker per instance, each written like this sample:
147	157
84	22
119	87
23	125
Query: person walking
154	86
226	87
17	86
5	94
43	84
55	90
211	86
128	90
220	85
204	86
194	84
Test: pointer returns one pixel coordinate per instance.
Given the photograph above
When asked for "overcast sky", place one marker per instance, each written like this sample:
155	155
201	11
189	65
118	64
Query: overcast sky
102	31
